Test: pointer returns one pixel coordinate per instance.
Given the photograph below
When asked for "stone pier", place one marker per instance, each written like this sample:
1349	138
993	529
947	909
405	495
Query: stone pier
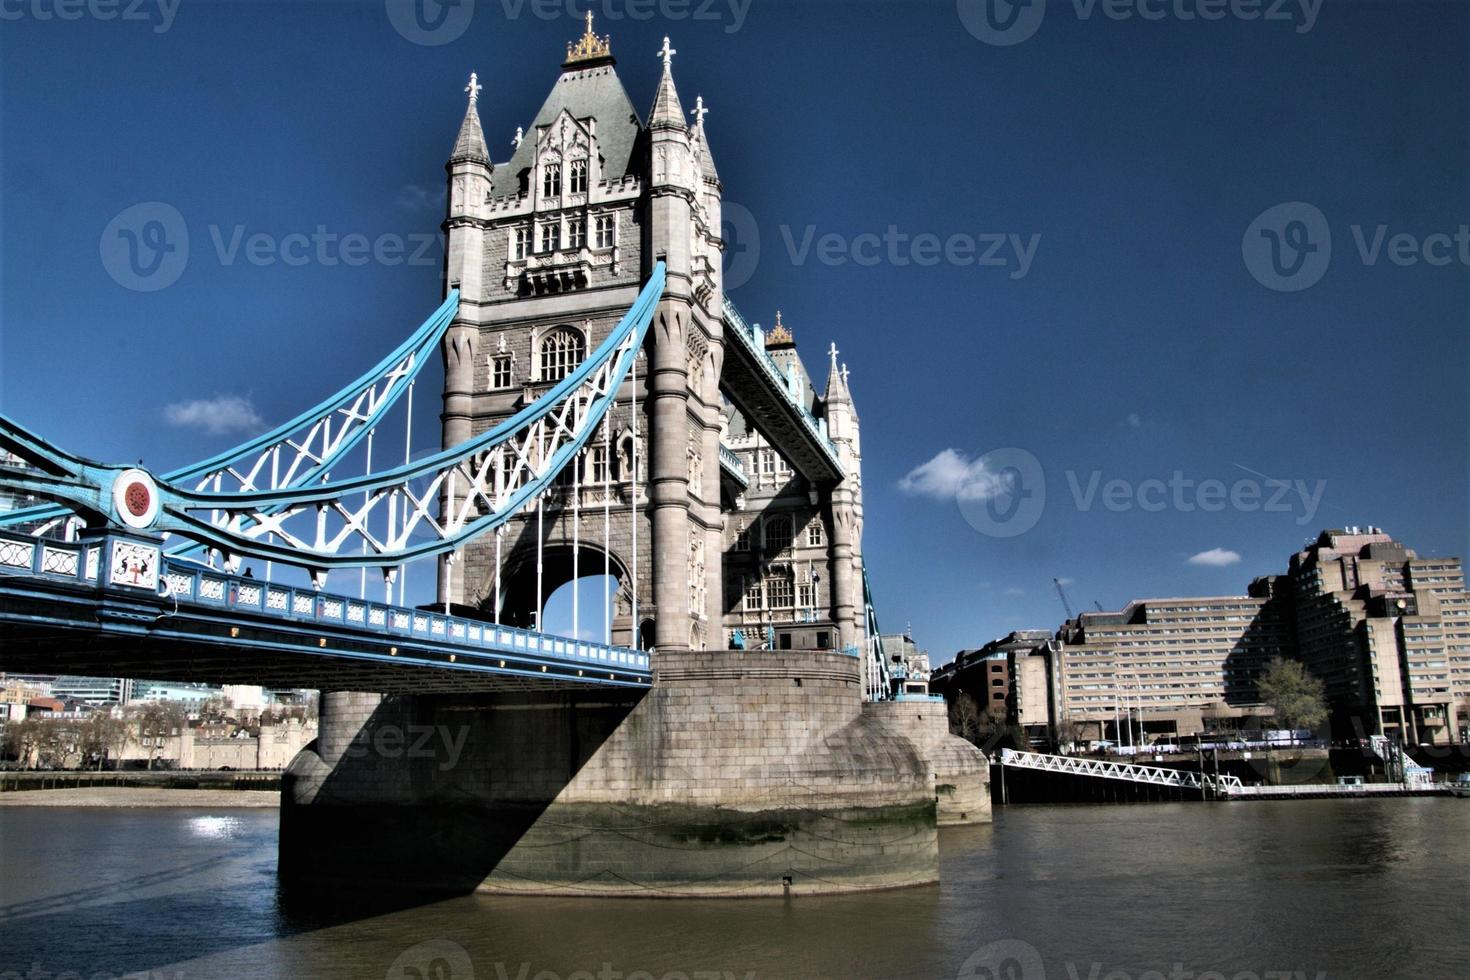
738	773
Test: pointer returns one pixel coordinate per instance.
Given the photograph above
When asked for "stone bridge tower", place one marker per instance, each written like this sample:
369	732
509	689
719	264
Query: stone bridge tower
548	250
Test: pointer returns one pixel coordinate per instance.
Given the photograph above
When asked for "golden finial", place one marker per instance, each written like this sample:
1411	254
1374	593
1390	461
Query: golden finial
589	47
780	333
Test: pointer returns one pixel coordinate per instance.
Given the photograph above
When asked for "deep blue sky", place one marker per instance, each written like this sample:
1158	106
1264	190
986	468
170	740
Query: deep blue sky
1137	344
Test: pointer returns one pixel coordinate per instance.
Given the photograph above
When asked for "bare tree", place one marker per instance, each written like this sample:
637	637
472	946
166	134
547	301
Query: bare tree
158	720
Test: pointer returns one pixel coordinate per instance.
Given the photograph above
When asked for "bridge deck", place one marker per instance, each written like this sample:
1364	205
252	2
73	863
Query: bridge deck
63	610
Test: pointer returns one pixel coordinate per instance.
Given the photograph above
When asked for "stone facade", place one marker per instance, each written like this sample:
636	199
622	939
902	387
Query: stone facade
548	250
759	772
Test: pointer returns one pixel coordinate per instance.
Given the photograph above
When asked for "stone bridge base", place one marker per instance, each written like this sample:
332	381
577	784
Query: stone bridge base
738	773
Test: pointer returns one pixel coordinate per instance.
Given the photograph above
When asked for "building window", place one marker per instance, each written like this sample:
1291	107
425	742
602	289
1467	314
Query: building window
597	469
561	352
519	243
806	595
742	539
551	179
780	592
777	533
753	596
605	231
815	536
550	236
576	233
578	176
500	376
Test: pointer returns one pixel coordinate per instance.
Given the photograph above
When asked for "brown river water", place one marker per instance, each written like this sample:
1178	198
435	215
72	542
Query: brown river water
1171	891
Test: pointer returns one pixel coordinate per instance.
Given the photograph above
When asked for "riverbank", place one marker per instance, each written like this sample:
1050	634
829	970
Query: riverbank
139	796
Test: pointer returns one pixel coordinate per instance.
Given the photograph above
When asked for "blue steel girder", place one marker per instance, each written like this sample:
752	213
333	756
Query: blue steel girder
756	386
115	605
307	446
426	508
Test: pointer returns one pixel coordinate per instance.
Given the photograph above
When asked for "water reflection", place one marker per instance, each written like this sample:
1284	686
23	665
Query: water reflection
1349	888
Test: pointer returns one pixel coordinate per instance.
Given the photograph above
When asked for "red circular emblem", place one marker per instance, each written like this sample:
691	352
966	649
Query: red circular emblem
138	498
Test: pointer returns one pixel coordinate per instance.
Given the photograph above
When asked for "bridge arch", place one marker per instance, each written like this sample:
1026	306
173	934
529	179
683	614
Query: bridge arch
600	601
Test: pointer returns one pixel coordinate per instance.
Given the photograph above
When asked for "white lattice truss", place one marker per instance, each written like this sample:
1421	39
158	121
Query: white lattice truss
417	510
1126	771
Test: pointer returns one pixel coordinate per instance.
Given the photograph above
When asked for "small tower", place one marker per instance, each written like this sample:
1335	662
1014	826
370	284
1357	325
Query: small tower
847	506
470	172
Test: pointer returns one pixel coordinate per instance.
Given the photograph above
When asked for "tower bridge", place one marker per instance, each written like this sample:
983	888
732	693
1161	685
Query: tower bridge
609	420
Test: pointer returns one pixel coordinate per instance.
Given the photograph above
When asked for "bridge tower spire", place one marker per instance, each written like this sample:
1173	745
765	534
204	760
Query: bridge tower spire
470	171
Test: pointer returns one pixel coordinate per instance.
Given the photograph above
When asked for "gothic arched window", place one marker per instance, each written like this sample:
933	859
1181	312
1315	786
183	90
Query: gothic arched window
551	179
561	351
578	176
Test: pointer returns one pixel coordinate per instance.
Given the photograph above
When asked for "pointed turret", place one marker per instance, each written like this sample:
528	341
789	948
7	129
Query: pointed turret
700	142
470	147
837	391
667	112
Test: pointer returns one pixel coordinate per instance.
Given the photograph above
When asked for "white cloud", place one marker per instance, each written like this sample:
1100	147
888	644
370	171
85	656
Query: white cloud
1064	580
1013	591
217	416
1215	558
416	197
950	475
1135	421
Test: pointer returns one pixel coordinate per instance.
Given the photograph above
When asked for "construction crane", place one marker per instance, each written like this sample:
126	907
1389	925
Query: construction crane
1061	594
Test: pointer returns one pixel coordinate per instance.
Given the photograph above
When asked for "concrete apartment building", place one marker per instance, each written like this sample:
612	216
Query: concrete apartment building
1171	666
1386	631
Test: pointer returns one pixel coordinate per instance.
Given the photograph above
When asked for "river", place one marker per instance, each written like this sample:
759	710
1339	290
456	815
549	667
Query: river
1186	891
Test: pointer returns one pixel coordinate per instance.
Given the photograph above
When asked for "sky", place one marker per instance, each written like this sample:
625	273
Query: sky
1137	295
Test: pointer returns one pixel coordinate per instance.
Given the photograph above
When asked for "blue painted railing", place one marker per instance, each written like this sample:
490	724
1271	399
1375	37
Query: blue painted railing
745	334
202	589
733	466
